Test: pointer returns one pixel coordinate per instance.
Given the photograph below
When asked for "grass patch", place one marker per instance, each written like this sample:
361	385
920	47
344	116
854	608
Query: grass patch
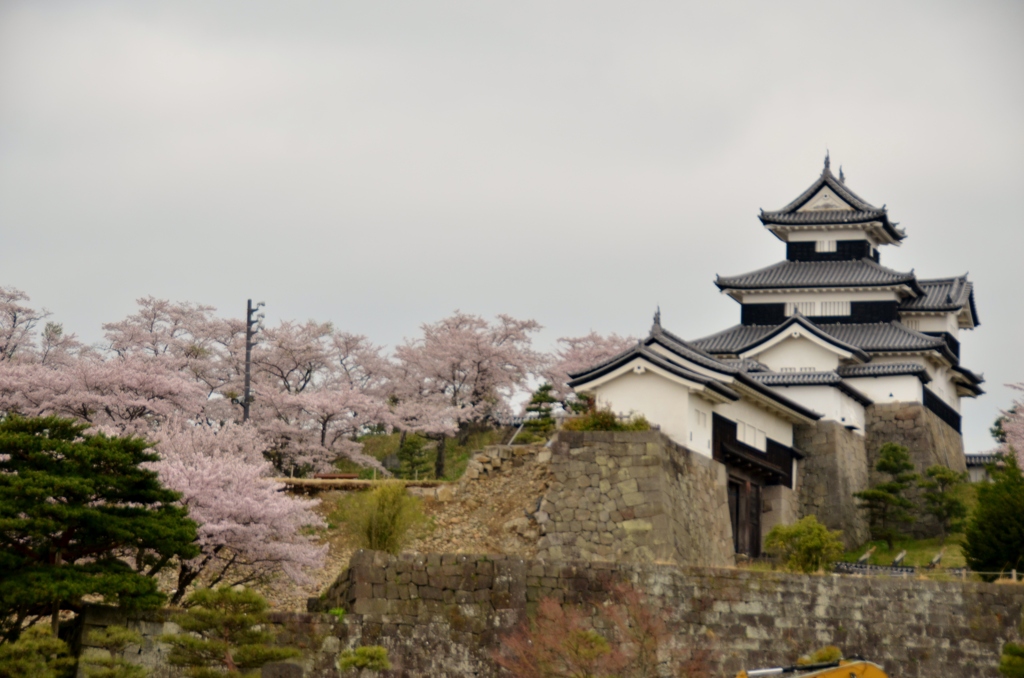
919	552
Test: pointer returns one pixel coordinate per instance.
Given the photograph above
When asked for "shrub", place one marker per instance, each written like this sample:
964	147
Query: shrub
338	613
372	657
226	633
606	420
384	518
1011	663
36	654
805	546
886	506
414	460
995	534
113	639
540	405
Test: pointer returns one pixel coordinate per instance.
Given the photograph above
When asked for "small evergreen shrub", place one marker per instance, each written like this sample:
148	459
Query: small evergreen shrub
540	405
805	546
384	518
606	420
226	634
372	657
36	654
415	462
113	639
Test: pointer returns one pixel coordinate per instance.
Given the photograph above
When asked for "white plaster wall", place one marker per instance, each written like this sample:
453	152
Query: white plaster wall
700	424
661	401
775	427
946	322
941	384
905	389
750	297
829	401
796	353
832	232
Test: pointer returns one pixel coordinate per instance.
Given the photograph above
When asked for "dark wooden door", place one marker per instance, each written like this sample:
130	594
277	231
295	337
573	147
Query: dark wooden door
745	515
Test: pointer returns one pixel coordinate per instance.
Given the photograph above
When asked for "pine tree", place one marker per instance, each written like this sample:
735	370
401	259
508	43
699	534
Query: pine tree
226	634
75	509
540	406
414	462
995	534
36	654
113	639
886	506
942	500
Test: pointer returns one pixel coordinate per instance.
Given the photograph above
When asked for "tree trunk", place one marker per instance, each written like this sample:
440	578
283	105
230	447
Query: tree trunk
439	462
55	615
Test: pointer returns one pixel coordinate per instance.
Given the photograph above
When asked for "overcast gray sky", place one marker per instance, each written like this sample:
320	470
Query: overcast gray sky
380	164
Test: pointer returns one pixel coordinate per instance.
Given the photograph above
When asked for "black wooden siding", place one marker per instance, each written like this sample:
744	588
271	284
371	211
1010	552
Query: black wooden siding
860	312
846	250
940	408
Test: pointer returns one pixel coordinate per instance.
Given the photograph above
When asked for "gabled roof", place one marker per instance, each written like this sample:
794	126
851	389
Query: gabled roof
869	337
800	320
832	379
656	359
685	351
944	294
802	274
861	212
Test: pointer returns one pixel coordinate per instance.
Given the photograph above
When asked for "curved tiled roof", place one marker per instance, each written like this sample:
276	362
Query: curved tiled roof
863	211
884	370
800	274
824	217
944	294
870	337
797	378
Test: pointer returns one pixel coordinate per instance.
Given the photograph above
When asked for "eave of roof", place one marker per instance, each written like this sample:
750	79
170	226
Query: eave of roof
833	379
884	370
813	274
891	337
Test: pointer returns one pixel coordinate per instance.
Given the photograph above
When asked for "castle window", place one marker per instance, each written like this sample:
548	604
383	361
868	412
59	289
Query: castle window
824	245
807	308
787	369
835	308
913	324
806	369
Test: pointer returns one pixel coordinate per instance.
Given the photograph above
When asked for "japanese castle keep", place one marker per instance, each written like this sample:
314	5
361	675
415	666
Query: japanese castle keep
834	355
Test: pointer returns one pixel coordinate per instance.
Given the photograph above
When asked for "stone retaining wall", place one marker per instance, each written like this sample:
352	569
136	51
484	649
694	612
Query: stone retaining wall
634	496
835	465
444	615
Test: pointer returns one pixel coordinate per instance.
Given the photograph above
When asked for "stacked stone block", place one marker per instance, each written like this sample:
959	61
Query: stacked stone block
634	496
835	465
746	619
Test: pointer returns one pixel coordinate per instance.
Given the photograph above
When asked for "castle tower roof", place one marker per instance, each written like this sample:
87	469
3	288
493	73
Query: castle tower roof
828	204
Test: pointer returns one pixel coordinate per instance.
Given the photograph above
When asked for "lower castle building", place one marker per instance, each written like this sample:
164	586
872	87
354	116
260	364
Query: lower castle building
834	355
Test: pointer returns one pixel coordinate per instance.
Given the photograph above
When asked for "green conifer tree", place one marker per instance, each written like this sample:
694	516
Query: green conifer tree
942	499
414	461
995	533
887	507
540	405
227	634
74	508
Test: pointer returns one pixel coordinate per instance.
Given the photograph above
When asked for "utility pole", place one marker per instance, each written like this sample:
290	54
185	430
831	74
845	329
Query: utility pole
252	321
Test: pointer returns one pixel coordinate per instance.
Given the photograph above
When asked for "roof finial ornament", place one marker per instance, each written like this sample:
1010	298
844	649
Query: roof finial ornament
657	318
827	162
842	178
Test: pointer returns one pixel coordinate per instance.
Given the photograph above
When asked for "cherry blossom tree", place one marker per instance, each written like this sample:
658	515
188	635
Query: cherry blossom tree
575	354
17	324
249	528
1012	423
473	365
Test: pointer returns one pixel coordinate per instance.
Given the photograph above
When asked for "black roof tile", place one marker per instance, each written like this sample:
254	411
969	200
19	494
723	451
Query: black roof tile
801	274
